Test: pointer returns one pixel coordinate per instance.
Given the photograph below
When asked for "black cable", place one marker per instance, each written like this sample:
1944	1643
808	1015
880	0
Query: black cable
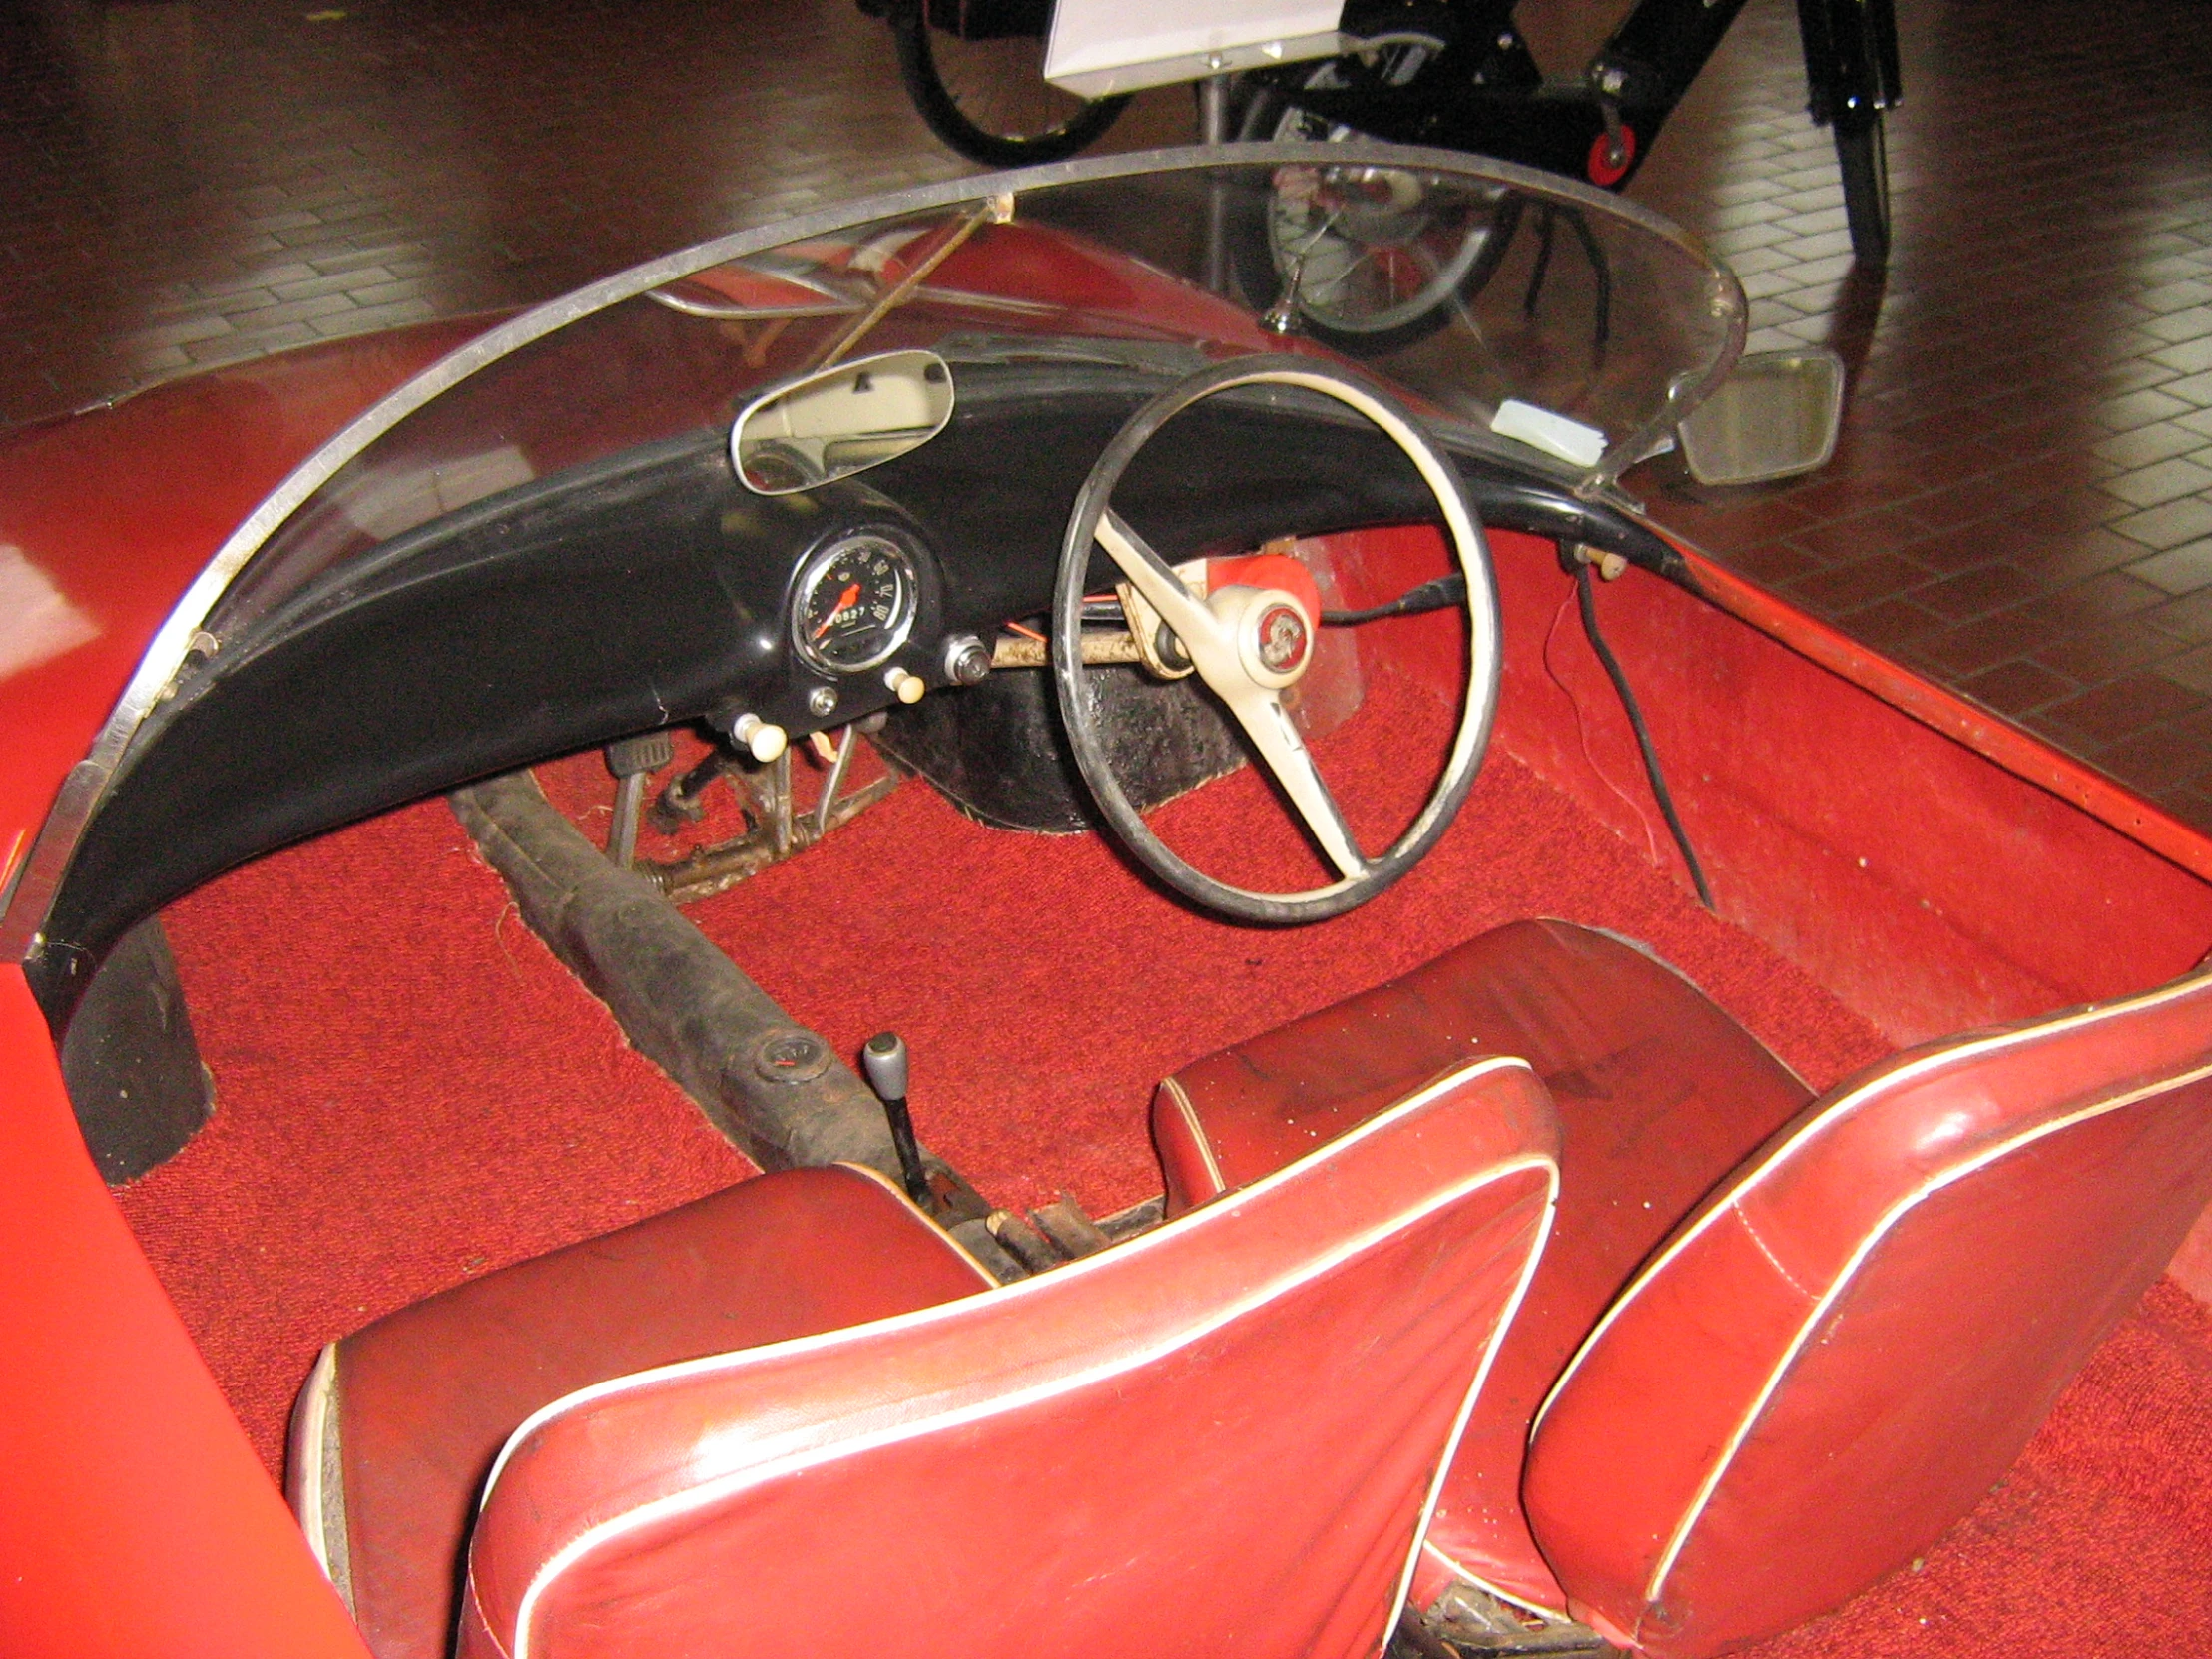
1586	597
1440	594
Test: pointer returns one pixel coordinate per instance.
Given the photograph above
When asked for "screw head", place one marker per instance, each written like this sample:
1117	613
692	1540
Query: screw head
821	700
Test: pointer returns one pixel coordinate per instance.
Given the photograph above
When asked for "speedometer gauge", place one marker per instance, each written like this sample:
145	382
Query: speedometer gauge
855	604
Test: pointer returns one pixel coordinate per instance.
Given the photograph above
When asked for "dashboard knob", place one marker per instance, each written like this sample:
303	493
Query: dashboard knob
907	687
763	739
966	662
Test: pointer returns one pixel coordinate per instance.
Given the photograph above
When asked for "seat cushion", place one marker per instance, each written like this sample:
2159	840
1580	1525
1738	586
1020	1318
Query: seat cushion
402	1422
1660	1094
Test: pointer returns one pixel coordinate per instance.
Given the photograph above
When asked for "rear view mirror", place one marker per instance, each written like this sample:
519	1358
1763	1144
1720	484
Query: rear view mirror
841	421
1774	415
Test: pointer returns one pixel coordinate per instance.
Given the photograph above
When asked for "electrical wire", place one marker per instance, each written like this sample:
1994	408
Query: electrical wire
1582	731
1438	595
1586	597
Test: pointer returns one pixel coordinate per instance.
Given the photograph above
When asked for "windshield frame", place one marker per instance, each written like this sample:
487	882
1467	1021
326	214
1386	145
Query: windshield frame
39	875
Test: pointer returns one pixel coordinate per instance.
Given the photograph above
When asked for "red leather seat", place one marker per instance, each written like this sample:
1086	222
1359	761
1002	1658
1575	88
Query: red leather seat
400	1422
1861	1308
1658	1092
1223	1435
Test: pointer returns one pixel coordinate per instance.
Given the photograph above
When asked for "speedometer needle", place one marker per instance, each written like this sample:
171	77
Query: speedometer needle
845	601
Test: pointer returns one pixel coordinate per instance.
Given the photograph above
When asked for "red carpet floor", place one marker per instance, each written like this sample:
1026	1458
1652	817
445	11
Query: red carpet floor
412	1091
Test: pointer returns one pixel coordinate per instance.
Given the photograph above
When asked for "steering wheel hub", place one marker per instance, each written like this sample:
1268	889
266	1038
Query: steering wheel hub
1283	638
1274	635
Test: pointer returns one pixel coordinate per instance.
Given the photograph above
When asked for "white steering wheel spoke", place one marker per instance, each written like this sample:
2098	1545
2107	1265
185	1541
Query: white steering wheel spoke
1267	724
1211	642
1163	590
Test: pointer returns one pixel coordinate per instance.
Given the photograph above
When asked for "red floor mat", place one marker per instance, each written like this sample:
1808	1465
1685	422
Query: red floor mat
412	1091
408	1090
1044	988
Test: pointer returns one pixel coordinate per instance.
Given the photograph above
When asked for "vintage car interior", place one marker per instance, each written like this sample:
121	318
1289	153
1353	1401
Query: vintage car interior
916	933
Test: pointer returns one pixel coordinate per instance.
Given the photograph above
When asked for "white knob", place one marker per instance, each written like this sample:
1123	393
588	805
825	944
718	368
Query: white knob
907	687
763	739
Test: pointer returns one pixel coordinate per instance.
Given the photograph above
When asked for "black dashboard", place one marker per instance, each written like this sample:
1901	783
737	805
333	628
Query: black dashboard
650	589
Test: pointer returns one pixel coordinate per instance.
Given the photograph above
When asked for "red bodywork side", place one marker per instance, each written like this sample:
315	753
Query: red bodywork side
1930	889
137	1520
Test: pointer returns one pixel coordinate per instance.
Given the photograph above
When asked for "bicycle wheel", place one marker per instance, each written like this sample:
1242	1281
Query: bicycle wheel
1864	159
989	99
1377	262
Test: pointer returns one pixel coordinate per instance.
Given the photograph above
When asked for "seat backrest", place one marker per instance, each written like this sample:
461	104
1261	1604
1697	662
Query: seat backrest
1222	1436
1836	1356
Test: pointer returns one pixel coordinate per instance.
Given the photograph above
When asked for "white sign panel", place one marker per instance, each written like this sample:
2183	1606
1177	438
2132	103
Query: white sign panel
1105	46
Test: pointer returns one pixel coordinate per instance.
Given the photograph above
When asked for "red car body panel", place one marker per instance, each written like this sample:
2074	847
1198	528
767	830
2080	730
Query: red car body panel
140	1522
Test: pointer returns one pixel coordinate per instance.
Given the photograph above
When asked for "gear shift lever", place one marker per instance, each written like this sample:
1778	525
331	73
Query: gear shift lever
883	1058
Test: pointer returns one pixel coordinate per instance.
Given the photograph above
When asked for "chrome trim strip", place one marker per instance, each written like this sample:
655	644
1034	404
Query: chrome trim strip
33	897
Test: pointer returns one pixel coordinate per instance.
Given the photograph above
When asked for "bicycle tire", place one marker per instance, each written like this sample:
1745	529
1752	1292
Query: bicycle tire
1253	248
1863	158
964	130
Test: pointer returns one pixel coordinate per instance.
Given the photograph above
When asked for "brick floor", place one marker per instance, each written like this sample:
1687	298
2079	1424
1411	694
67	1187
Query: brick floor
2021	505
2021	501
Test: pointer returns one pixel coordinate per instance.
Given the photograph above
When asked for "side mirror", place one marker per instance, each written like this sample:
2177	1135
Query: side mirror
1776	415
841	421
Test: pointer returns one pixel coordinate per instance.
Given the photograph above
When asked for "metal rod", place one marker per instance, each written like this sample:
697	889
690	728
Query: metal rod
622	843
997	209
834	783
1012	651
779	803
1213	127
1212	110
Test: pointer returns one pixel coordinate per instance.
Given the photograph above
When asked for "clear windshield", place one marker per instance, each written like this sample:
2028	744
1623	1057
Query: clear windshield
1468	286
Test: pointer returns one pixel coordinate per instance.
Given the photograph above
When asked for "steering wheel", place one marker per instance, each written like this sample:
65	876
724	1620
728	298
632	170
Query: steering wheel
1249	645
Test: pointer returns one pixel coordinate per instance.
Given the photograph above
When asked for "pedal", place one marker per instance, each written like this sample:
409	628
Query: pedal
632	761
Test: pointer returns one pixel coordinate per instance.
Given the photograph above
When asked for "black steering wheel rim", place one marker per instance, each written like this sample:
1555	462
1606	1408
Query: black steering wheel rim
1079	713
